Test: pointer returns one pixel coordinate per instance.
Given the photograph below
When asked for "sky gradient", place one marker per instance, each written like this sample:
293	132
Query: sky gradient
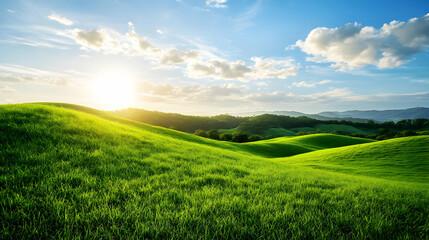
216	56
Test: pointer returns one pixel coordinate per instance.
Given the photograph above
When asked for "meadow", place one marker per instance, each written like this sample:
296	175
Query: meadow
73	172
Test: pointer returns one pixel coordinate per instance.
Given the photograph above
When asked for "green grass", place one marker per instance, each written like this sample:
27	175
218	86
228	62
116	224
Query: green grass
289	146
278	132
73	172
232	130
405	159
336	127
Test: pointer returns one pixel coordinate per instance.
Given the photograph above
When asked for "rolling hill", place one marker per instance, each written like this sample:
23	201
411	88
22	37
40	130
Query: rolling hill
320	116
68	171
289	146
354	115
184	123
403	159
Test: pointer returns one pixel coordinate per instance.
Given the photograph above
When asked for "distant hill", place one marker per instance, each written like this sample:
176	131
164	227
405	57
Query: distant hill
381	115
300	114
354	115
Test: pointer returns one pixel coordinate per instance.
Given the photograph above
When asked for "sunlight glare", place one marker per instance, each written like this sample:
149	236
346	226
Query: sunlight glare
114	90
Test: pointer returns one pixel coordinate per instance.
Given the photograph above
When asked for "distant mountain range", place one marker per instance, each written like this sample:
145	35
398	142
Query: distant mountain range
355	115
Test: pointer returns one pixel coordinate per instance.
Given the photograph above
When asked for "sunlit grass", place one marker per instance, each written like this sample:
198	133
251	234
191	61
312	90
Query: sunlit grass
69	174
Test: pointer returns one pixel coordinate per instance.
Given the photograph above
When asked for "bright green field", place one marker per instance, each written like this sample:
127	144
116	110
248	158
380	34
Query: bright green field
336	127
278	132
405	159
72	172
231	130
289	146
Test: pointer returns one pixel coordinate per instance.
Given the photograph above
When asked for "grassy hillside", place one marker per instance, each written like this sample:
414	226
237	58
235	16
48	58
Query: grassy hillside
405	159
278	132
73	172
184	123
289	146
336	127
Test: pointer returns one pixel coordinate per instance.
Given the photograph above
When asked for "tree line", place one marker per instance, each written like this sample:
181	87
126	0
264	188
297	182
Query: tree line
251	128
237	136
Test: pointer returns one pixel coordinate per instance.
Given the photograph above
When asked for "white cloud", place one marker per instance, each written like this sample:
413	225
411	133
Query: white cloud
92	38
262	69
325	81
219	69
175	56
216	3
261	84
304	84
235	98
159	31
131	27
198	63
18	73
310	84
11	11
354	45
189	94
269	68
6	89
58	18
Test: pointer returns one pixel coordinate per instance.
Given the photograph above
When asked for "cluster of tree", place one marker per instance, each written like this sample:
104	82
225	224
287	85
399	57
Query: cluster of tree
237	136
184	123
405	124
258	124
384	133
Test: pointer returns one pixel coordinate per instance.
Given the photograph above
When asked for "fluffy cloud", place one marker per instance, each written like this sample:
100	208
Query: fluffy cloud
269	68
175	56
262	69
230	92
17	73
90	38
220	69
55	17
191	94
198	63
354	45
216	3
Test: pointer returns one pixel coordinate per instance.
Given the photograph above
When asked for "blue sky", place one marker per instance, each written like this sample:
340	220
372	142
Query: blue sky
216	56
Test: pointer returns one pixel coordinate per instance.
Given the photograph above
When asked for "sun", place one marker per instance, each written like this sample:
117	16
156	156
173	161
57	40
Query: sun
114	90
